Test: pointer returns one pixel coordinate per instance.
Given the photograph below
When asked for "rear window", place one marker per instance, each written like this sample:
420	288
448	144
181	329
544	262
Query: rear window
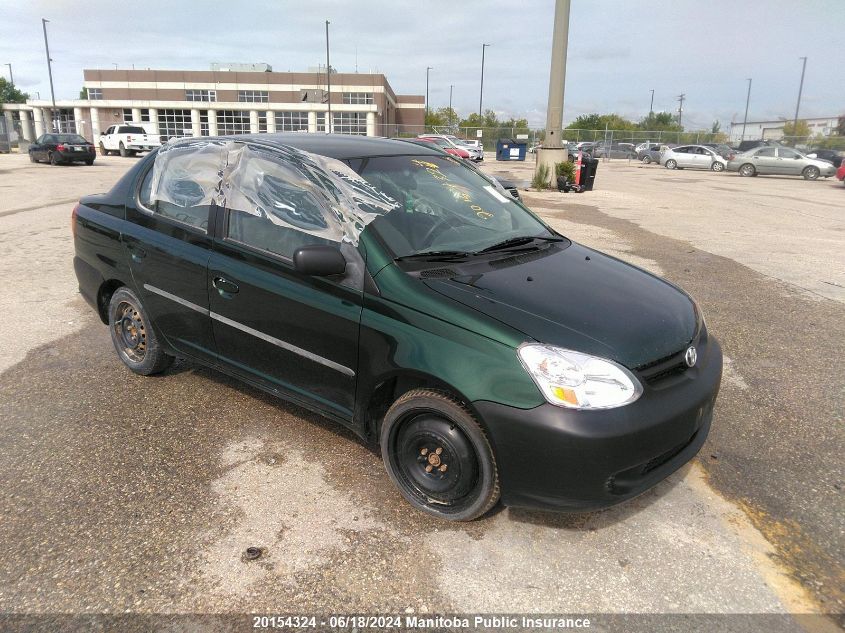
70	138
131	129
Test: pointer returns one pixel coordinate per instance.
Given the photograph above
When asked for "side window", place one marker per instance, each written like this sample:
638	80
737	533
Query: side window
787	153
110	130
183	183
275	206
40	140
681	150
766	152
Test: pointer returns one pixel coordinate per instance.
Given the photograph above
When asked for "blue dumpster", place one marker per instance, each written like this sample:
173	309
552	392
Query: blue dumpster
509	149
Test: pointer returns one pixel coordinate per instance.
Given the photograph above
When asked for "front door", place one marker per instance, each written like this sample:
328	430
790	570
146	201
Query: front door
765	161
789	161
171	245
295	334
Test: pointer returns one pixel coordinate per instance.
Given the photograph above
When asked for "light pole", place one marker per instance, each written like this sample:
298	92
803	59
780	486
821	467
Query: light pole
481	91
798	105
427	69
557	76
328	83
745	118
50	72
451	86
651	105
681	98
11	78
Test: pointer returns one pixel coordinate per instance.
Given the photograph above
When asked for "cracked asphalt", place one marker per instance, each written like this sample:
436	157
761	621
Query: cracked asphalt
141	494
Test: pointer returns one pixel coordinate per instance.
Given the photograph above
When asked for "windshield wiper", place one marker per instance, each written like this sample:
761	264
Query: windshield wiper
434	255
519	241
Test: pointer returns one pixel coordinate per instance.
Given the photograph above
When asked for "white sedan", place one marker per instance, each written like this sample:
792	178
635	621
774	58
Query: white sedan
693	157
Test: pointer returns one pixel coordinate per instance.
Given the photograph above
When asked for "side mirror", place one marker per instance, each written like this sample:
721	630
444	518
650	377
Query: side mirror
319	261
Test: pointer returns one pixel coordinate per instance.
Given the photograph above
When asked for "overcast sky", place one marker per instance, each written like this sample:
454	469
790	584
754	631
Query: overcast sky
618	49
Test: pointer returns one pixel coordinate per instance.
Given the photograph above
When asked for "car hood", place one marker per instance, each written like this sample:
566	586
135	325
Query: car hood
583	300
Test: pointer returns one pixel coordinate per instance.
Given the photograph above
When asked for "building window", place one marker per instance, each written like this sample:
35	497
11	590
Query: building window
201	95
95	93
145	114
174	124
127	114
321	121
349	123
232	122
291	121
253	96
204	123
357	98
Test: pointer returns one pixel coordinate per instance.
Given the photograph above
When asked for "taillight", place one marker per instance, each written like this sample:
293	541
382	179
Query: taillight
60	147
128	139
73	218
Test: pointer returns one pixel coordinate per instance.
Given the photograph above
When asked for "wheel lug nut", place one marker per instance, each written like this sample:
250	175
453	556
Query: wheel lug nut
439	450
428	468
424	451
443	468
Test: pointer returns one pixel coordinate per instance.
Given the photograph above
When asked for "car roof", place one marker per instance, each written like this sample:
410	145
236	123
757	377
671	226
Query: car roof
339	146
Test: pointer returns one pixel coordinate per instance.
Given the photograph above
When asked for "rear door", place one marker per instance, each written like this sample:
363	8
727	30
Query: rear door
170	244
295	334
765	161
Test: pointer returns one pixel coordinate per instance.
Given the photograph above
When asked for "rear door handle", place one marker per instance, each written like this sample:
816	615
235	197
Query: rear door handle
136	252
224	286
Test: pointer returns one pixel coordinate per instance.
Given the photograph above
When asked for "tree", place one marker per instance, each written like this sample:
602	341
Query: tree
716	127
600	121
10	94
442	117
799	129
660	122
83	93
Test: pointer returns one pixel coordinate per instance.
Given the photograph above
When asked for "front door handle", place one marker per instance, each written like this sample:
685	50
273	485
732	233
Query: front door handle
137	253
225	287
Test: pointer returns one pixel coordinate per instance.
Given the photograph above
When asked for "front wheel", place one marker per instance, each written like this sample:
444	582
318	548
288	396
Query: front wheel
32	158
647	160
135	341
671	164
439	457
103	150
747	170
717	166
811	172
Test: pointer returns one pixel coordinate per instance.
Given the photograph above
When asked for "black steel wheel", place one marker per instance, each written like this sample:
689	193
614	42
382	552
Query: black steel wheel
439	456
133	338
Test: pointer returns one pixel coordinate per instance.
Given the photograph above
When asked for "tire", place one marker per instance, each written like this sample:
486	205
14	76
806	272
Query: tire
32	158
103	150
89	162
122	150
647	160
133	338
747	170
717	166
439	457
811	172
53	160
671	164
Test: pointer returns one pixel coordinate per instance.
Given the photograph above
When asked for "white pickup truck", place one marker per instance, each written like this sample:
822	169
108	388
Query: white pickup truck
127	140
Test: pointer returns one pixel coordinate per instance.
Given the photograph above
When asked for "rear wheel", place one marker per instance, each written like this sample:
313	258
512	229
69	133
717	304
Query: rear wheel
54	159
647	160
671	164
103	150
811	172
122	150
439	456
747	170
89	162
135	341
717	166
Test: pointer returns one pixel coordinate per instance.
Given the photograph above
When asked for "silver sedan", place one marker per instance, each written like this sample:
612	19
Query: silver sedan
774	159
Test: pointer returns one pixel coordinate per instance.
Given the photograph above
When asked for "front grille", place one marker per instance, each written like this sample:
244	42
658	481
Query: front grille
657	462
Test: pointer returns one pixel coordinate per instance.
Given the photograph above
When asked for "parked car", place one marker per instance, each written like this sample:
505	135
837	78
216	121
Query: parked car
725	151
508	186
446	146
768	160
692	156
613	150
834	156
473	153
473	142
402	294
745	146
62	149
649	153
840	173
127	140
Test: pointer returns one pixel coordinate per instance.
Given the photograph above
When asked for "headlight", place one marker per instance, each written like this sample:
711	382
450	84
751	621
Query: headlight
579	381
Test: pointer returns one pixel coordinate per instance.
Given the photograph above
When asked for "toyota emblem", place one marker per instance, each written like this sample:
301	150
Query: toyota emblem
691	356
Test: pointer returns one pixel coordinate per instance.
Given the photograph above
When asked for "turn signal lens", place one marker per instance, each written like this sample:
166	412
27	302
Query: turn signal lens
578	381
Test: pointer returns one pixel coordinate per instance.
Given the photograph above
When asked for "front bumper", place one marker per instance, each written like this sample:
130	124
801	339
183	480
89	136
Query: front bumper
556	458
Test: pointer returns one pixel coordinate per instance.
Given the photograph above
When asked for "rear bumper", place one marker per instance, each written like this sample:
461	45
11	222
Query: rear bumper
555	458
71	156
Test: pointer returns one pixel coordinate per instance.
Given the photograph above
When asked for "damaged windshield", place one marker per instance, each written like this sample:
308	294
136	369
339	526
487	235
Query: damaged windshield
443	206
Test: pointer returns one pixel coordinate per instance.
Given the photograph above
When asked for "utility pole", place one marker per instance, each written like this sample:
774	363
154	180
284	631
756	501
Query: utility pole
481	91
50	72
11	78
681	98
328	83
651	105
557	75
451	86
427	69
800	89
745	118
